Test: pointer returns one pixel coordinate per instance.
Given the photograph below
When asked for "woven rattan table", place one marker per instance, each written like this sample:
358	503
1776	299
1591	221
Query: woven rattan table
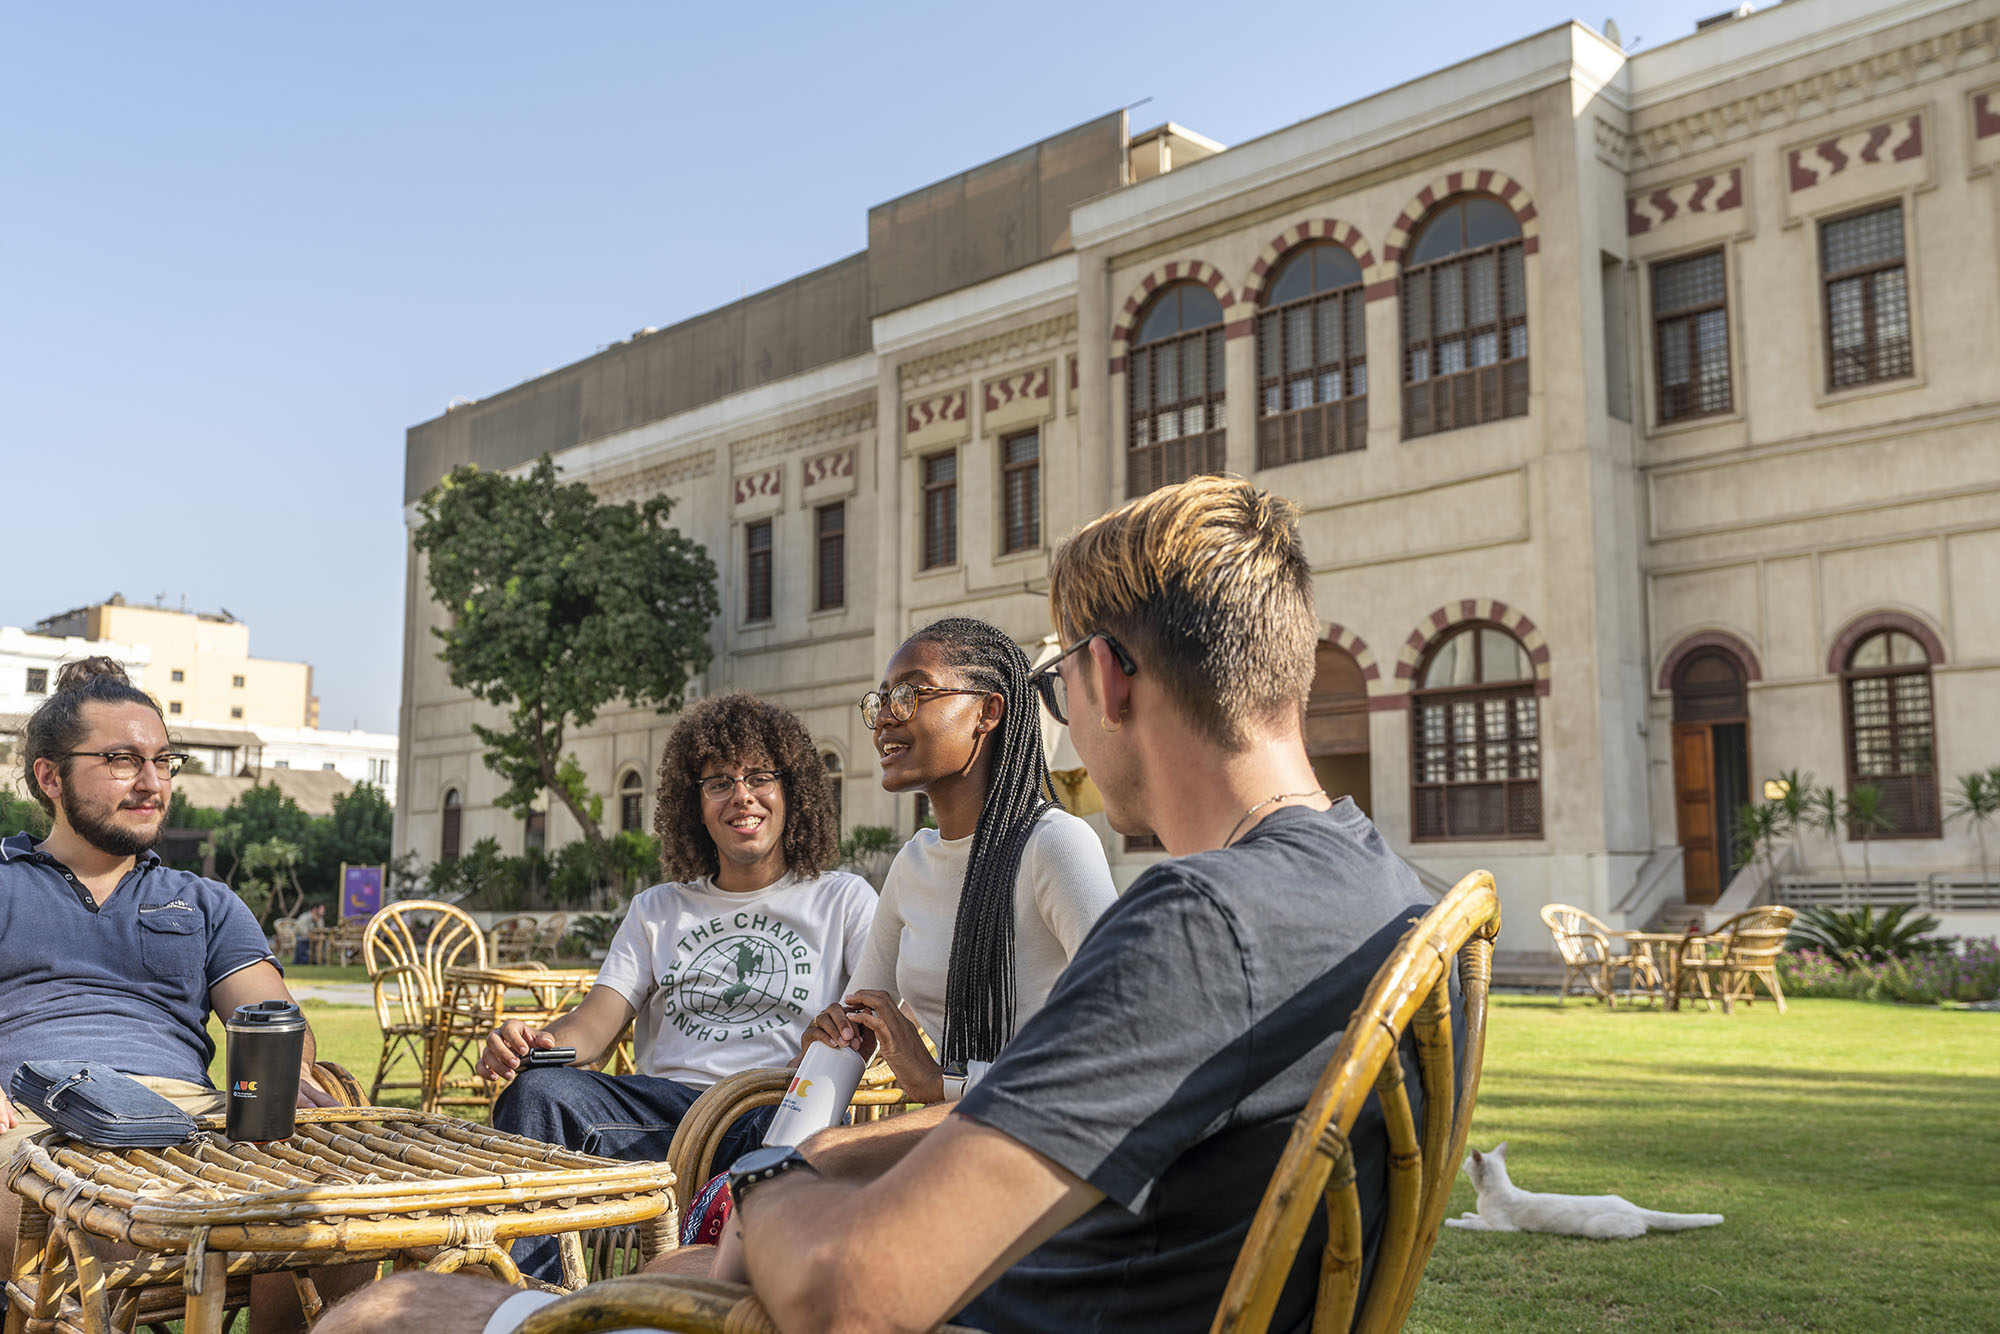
1674	950
353	1185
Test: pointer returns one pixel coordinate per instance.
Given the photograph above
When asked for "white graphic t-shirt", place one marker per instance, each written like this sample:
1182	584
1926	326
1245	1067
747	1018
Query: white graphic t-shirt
725	982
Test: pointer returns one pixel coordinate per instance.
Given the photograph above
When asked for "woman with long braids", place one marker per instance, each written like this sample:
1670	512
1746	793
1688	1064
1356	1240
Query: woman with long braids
979	916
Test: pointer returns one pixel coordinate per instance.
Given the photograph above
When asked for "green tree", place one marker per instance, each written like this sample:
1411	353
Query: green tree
1976	800
559	605
358	833
268	869
1864	815
18	814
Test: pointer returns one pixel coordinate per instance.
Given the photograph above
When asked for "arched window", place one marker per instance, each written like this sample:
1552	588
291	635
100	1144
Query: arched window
1476	748
1173	387
631	801
1312	358
448	839
1891	742
1465	319
832	763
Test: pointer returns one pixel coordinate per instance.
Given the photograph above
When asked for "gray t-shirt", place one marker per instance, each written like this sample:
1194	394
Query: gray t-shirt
1171	1059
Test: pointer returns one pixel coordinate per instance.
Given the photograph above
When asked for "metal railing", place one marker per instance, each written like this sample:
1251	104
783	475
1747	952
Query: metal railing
1950	891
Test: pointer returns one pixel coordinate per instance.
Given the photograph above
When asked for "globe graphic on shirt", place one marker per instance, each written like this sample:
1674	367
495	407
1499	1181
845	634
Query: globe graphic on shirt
736	980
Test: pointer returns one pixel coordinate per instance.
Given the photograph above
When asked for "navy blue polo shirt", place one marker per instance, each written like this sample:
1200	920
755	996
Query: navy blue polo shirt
126	984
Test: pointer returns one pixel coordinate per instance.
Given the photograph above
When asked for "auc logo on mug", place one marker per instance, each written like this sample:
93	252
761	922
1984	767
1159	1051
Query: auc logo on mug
244	1088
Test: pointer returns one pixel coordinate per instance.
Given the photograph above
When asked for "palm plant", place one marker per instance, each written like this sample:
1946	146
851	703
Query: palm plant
1976	800
1822	816
1864	815
1847	935
1793	804
1757	828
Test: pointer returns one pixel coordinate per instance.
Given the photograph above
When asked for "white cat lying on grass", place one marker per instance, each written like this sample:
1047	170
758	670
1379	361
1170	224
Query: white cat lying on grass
1505	1207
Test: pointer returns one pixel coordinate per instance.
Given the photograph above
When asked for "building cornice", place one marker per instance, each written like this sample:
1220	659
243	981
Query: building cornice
1014	344
1925	60
642	483
795	436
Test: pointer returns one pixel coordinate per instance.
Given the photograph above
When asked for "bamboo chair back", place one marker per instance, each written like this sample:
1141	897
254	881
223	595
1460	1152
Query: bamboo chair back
512	940
285	936
1581	940
1410	993
548	937
700	1132
397	941
1744	951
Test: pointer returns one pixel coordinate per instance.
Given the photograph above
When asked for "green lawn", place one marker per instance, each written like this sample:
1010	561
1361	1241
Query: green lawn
1853	1147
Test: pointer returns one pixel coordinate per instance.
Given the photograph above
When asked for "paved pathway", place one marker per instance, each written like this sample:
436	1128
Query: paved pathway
336	993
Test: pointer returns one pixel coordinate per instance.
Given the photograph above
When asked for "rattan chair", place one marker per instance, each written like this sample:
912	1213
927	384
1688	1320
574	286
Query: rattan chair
1738	954
548	937
1587	952
1410	995
407	947
702	1127
285	939
511	940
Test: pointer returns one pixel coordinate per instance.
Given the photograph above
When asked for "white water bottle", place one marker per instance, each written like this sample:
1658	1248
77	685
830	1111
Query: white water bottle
818	1095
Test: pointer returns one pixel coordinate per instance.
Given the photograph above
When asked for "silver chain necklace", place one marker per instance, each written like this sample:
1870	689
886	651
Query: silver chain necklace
1282	796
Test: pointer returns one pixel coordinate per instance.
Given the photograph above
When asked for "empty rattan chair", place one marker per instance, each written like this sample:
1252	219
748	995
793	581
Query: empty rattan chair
1409	995
548	937
511	940
407	947
1738	954
1587	951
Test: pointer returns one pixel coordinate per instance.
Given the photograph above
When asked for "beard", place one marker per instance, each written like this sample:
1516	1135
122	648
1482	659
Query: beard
95	825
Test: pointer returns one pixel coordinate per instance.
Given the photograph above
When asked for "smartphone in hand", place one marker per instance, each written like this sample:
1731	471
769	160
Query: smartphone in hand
551	1056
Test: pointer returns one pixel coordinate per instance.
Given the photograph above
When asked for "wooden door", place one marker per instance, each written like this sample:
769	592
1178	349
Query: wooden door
1694	811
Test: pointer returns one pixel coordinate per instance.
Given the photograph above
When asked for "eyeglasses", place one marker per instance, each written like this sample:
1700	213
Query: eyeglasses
1049	682
124	765
759	782
902	700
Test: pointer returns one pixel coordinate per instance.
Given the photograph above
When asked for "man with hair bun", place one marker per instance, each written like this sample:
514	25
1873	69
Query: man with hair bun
722	966
106	953
1104	1172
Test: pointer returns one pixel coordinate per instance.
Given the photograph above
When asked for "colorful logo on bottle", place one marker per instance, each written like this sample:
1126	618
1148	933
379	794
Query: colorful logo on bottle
244	1088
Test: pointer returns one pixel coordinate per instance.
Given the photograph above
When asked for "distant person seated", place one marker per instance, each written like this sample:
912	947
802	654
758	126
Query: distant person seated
1103	1175
724	966
312	919
106	953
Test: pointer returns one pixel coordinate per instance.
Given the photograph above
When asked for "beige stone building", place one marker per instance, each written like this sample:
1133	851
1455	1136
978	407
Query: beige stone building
1642	409
200	669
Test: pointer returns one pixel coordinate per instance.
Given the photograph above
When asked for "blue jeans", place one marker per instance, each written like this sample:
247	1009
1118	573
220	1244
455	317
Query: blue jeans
632	1117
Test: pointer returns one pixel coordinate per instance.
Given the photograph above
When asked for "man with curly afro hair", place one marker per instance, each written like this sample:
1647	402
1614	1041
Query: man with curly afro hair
723	965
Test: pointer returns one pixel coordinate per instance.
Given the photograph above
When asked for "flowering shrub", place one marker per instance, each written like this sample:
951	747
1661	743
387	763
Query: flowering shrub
1966	970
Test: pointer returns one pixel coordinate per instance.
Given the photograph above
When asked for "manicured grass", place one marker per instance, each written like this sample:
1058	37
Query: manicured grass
326	972
1853	1147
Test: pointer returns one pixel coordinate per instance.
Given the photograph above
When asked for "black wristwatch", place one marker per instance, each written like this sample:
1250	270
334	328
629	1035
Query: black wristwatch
760	1165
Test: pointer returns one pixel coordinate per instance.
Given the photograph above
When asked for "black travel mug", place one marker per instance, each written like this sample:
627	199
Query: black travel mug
266	1042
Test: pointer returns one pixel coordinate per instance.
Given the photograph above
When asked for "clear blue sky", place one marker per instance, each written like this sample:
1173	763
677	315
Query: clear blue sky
245	247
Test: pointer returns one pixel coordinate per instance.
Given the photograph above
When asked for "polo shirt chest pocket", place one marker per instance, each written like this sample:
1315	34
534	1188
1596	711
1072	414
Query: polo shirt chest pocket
172	943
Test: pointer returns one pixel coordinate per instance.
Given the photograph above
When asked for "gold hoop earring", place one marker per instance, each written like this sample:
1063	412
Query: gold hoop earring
1104	721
